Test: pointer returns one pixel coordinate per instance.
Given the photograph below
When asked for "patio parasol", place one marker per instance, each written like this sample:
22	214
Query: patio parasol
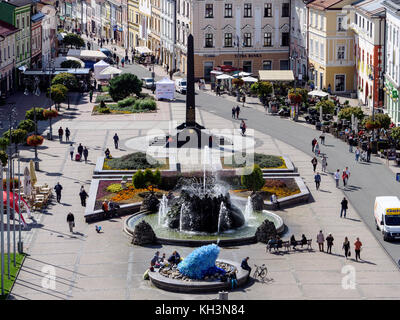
27	182
111	71
249	79
33	173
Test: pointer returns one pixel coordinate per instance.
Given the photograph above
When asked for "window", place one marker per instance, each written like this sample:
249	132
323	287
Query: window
285	39
311	47
247	66
209	11
209	40
284	64
268	10
228	40
247	10
228	10
340	24
267	65
23	22
247	40
228	63
267	39
322	51
356	19
341	52
285	10
316	49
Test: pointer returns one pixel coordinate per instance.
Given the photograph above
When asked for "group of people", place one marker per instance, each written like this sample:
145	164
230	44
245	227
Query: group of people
344	176
109	208
81	151
159	262
61	134
83	195
346	245
235	112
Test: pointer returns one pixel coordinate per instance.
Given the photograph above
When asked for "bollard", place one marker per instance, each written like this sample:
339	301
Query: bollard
223	295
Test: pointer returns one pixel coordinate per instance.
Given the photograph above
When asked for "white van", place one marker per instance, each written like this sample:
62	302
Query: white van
180	85
387	217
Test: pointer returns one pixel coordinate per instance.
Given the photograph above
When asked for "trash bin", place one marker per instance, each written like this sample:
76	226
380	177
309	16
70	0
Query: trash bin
398	177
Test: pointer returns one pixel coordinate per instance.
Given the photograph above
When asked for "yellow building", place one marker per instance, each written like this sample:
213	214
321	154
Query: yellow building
155	28
331	46
133	22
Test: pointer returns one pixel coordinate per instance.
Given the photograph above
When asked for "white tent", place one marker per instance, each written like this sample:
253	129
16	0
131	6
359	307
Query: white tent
142	50
165	89
110	71
224	77
98	68
59	60
318	93
87	54
249	79
216	72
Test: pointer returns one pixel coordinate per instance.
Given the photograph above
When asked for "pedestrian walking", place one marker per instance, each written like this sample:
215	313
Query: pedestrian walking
369	151
71	151
320	241
67	134
346	247
80	150
107	153
85	153
357	248
117	61
322	138
344	207
58	187
329	243
243	127
317	179
122	62
233	112
90	95
237	112
71	222
126	57
344	177
60	133
314	162
217	91
316	149
83	195
337	178
313	142
324	163
357	154
351	143
116	139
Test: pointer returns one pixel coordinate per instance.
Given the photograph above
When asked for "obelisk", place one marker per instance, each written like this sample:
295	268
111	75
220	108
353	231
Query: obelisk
190	92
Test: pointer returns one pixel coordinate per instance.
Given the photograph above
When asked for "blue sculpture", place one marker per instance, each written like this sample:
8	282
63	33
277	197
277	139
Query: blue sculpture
200	262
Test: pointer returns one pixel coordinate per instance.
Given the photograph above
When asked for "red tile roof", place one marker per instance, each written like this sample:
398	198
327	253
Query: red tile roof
323	4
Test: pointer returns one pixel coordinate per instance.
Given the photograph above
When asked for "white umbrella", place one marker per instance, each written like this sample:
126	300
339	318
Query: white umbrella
27	182
224	77
249	79
59	60
111	70
318	93
244	74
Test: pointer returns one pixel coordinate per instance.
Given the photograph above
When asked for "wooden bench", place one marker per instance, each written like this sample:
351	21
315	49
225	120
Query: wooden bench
299	243
286	245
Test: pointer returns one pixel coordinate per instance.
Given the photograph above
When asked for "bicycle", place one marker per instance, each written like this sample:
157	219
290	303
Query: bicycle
260	272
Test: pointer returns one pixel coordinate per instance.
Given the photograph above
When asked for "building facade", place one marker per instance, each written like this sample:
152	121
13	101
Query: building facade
249	35
392	68
183	29
168	34
368	24
133	23
155	29
36	40
331	46
7	58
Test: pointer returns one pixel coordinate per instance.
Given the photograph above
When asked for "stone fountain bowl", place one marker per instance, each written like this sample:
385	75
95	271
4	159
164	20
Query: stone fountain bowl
197	286
233	238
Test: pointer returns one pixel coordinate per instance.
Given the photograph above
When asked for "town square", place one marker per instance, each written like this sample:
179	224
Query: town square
151	150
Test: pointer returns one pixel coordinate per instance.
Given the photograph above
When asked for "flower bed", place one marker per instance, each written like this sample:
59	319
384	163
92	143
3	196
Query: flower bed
262	160
134	161
126	106
284	187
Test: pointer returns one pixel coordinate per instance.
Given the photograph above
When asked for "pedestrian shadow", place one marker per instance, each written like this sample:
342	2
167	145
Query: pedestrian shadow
351	188
363	261
364	163
326	191
66	204
352	219
328	145
54	174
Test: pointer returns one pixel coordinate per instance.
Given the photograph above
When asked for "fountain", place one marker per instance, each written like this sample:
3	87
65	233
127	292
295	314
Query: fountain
248	211
162	210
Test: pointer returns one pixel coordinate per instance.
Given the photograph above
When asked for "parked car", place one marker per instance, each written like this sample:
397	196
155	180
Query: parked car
181	85
148	83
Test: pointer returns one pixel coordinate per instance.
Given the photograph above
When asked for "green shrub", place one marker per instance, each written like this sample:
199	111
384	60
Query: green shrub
262	160
17	135
129	101
104	97
66	79
71	64
145	95
253	181
124	85
3	158
346	113
4	143
138	180
145	104
133	161
114	188
104	110
28	125
31	115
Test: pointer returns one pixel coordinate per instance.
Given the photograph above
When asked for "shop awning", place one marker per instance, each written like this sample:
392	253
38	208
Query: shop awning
143	50
276	75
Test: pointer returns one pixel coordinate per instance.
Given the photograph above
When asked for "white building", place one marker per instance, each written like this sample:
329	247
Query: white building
168	34
392	68
183	29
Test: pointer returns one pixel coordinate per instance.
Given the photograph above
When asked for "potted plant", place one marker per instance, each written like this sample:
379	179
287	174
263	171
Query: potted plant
49	114
34	140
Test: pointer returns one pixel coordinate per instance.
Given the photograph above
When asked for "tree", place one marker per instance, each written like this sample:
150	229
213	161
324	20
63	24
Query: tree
255	180
17	135
395	134
262	89
124	85
346	113
58	93
66	79
3	158
71	64
138	180
28	125
30	114
4	143
238	82
383	120
300	93
73	40
328	107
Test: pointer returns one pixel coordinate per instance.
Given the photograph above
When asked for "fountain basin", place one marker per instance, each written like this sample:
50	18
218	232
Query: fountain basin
196	286
240	236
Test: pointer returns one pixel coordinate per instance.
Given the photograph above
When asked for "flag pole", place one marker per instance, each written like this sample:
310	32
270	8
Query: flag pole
2	230
13	192
8	216
20	249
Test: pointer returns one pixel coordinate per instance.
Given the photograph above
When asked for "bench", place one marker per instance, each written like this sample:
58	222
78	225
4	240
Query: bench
286	245
299	243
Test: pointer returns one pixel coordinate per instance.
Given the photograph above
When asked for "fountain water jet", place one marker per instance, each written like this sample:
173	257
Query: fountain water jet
162	210
248	211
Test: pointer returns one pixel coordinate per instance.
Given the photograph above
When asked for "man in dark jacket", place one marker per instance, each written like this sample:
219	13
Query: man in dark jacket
71	221
245	264
83	195
344	207
80	150
85	154
329	242
116	139
58	189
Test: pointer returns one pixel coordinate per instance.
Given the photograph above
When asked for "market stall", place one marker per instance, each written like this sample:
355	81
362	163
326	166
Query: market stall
165	89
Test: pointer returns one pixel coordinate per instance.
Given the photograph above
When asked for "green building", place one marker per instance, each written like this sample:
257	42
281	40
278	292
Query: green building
18	14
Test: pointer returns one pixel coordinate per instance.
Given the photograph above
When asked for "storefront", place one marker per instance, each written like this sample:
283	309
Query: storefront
392	101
